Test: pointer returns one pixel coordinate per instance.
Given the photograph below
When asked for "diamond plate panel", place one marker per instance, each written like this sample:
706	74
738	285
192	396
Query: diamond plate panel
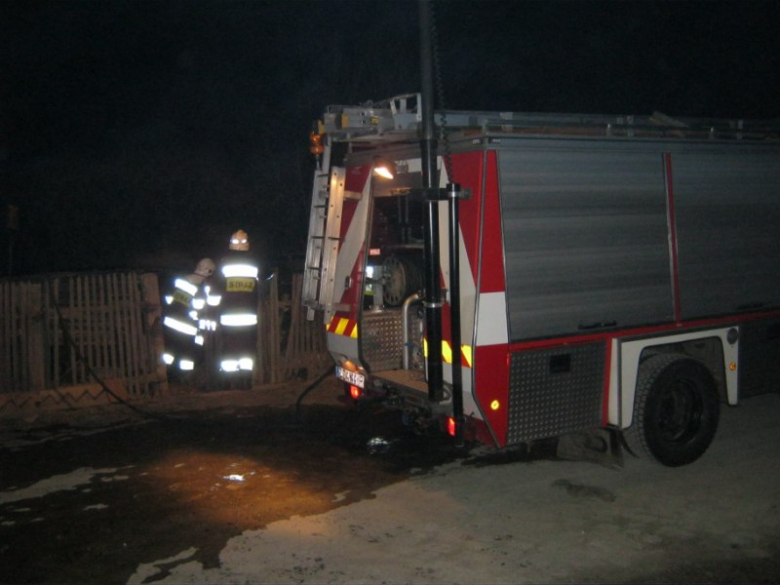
555	391
381	341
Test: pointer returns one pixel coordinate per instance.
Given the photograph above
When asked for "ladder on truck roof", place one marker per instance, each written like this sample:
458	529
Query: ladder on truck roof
327	198
398	119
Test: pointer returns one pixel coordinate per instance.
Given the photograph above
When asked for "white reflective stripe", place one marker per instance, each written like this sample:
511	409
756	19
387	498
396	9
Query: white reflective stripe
186	286
214	300
238	320
229	365
199	340
198	303
168	299
492	326
186	365
246	270
193	315
167	358
180	326
245	364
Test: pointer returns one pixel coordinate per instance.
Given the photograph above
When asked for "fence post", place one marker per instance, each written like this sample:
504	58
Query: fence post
261	373
274	335
301	346
35	343
153	327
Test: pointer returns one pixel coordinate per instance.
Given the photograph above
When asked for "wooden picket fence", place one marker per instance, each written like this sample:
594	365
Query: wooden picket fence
64	339
289	346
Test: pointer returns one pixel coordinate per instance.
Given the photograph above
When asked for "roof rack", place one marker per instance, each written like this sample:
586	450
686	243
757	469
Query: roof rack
398	119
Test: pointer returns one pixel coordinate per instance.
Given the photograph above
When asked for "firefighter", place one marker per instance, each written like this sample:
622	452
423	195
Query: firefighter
182	309
237	328
207	304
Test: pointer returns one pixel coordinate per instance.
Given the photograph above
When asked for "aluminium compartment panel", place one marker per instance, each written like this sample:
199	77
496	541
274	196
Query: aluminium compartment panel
585	236
727	206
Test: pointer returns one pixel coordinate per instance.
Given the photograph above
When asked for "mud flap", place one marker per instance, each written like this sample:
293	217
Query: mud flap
601	446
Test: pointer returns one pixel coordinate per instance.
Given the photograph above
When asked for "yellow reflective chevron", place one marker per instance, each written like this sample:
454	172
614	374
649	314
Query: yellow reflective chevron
342	325
466	353
446	352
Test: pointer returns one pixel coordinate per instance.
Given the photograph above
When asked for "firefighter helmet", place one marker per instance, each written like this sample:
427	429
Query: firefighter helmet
205	267
239	241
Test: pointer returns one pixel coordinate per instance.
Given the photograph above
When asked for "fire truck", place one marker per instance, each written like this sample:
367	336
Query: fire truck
549	274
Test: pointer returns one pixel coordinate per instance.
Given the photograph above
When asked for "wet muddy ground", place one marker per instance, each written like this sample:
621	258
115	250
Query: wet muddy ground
137	490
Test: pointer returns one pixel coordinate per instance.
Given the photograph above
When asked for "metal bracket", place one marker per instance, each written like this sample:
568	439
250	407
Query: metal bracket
450	192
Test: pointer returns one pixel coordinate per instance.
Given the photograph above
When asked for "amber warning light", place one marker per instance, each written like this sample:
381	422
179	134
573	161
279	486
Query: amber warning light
315	143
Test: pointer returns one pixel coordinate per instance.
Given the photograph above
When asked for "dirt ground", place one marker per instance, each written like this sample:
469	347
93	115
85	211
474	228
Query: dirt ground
89	495
236	488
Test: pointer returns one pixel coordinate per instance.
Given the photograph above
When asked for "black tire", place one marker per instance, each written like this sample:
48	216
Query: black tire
676	410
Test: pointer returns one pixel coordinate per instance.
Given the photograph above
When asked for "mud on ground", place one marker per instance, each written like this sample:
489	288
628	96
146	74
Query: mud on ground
87	496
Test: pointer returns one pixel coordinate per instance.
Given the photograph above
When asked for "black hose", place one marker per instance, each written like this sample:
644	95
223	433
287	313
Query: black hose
161	417
91	372
308	389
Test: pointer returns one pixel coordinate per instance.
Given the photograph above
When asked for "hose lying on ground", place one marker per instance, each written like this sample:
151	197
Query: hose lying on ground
91	372
308	389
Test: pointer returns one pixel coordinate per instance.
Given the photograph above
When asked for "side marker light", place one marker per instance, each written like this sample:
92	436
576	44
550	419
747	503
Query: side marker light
495	405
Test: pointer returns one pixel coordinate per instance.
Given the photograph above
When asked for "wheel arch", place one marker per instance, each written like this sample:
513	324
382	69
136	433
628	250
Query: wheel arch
716	349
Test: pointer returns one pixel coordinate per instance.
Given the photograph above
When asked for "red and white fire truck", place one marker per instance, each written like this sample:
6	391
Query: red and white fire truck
559	273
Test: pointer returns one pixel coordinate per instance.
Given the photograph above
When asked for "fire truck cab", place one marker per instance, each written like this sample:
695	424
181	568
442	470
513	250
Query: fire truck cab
610	272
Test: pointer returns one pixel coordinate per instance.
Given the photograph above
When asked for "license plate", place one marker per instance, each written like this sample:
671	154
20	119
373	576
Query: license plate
350	377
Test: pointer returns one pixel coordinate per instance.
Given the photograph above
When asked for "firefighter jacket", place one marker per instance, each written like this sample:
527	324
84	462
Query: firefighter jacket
237	327
180	323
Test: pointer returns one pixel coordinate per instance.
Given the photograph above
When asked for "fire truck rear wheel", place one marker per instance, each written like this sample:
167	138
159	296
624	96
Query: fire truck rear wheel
676	410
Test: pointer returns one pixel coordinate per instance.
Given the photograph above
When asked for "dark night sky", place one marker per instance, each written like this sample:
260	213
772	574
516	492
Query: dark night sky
141	134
